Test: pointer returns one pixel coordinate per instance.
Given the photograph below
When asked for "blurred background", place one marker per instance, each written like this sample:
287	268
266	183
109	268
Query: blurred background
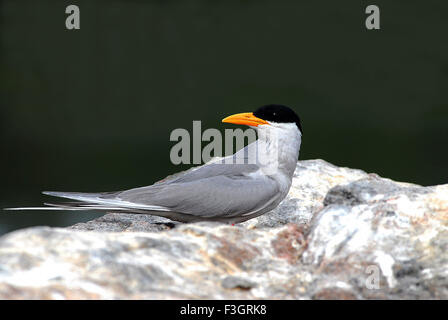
93	109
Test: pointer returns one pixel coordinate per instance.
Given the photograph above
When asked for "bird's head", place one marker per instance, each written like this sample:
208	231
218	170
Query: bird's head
269	115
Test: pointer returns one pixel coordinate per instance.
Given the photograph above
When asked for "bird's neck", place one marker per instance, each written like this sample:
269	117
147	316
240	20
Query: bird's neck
279	148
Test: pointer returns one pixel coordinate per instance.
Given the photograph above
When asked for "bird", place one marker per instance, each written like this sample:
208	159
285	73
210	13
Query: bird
232	189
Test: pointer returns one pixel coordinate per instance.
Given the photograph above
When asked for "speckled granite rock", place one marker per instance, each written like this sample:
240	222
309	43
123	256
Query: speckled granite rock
118	222
399	230
340	234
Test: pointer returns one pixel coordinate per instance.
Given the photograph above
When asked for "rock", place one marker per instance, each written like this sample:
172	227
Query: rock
232	282
189	262
399	231
340	234
118	222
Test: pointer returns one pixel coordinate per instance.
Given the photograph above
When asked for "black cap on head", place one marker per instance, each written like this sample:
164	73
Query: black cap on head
279	114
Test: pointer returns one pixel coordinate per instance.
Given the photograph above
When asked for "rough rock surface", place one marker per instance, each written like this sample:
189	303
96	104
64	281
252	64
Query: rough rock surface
340	234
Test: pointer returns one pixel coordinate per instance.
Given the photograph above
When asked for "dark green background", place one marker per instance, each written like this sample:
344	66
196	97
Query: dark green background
92	110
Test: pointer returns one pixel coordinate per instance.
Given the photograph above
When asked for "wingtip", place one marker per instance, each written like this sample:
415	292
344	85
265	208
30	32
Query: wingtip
17	209
50	193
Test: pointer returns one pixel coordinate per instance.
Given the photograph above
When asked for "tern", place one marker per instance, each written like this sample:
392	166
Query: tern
233	189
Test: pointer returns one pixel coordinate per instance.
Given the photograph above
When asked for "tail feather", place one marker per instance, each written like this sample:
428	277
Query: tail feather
75	207
45	208
92	201
80	196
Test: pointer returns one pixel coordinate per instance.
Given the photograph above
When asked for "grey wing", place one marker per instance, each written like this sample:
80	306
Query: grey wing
238	164
212	170
205	193
215	190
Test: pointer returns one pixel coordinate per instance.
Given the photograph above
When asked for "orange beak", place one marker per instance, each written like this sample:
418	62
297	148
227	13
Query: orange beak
246	118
